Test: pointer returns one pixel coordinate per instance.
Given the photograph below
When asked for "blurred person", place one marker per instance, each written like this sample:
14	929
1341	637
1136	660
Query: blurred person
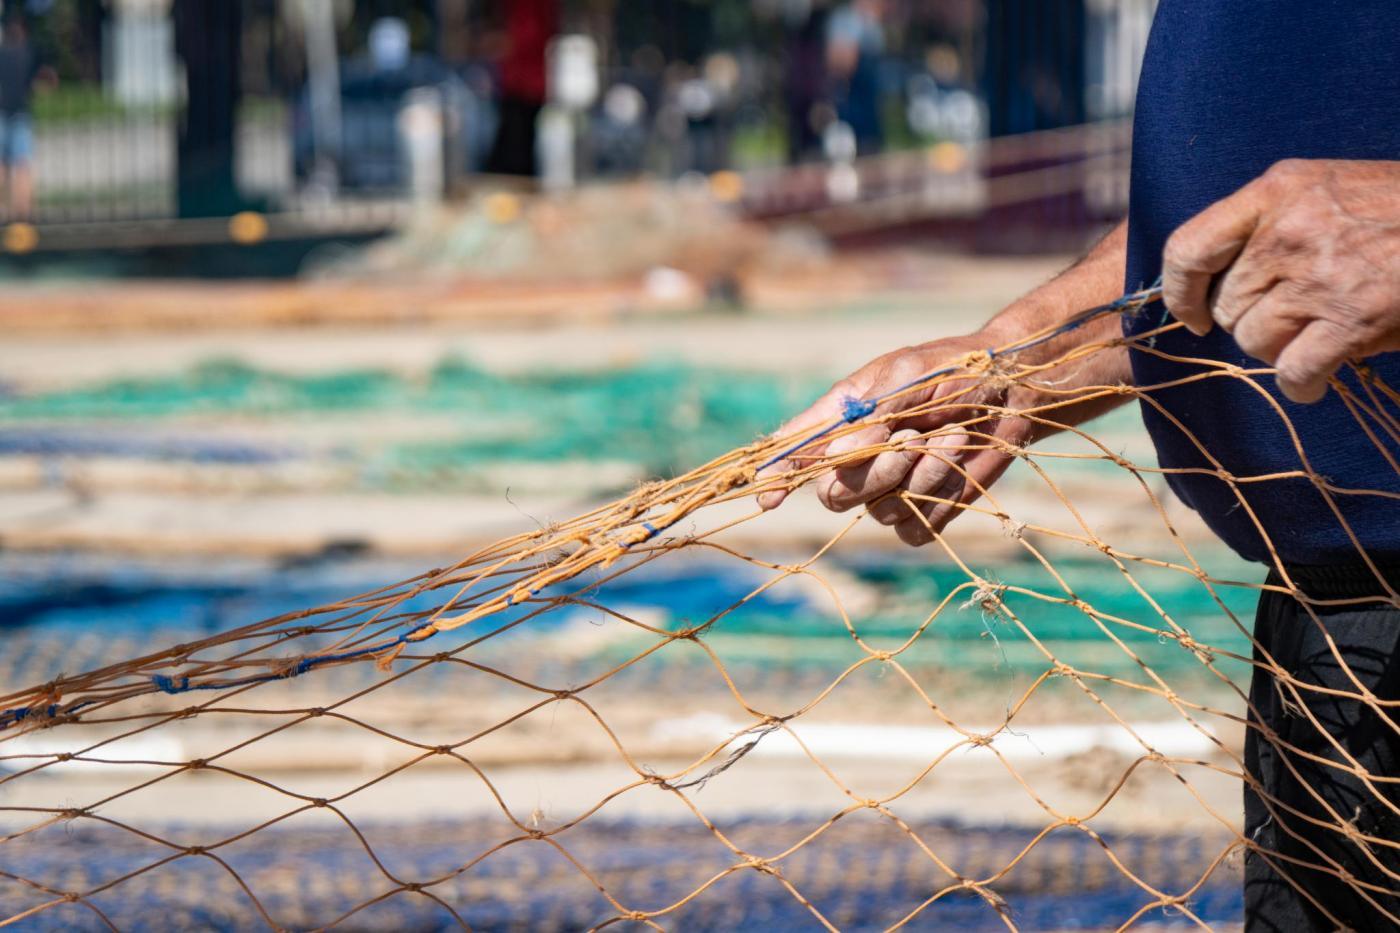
530	25
21	70
804	78
390	45
855	45
1266	192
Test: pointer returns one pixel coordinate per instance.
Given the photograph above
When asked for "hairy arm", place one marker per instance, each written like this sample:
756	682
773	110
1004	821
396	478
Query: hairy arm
927	468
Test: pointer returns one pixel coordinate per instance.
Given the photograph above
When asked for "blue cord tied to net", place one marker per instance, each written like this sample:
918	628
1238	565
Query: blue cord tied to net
854	409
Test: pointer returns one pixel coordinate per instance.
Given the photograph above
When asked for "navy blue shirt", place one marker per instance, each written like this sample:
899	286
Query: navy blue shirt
1229	87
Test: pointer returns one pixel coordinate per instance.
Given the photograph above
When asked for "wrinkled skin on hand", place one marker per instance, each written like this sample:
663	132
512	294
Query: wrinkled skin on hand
1301	266
950	465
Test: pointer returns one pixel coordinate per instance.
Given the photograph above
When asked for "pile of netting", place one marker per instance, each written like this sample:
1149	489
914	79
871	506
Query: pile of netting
273	774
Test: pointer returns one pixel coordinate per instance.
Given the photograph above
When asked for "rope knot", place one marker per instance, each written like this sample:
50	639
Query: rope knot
978	361
737	478
854	409
758	863
1013	529
987	596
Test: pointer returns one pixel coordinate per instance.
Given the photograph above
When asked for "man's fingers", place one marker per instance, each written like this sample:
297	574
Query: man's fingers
1240	287
917	529
857	482
1271	324
929	474
822	413
1204	247
968	485
1305	365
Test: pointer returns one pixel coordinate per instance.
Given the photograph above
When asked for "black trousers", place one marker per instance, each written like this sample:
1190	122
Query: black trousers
514	150
1294	788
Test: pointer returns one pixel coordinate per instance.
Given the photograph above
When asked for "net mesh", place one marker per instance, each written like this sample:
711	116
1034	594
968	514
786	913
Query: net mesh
119	784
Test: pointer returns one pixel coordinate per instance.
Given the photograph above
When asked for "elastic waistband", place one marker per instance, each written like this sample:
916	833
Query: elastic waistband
1342	581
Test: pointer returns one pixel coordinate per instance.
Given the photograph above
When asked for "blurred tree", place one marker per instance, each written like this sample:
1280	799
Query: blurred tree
70	33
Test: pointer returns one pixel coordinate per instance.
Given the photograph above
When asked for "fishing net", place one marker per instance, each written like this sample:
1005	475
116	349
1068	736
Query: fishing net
521	740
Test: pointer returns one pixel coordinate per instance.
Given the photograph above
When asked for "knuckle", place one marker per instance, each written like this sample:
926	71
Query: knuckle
1180	253
1287	171
903	367
1294	230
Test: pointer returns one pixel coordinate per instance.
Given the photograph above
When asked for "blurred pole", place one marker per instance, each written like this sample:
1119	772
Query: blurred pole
420	126
574	85
208	38
323	81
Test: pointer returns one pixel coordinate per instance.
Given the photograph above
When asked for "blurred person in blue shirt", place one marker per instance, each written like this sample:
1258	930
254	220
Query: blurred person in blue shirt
21	68
855	44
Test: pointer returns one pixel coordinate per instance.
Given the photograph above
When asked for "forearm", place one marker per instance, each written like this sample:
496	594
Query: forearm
1095	280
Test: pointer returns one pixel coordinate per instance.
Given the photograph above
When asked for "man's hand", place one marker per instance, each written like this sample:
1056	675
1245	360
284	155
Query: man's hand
1302	266
926	468
954	452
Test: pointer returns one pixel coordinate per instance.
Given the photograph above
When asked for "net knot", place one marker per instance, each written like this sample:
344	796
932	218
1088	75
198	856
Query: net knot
1012	529
195	850
320	802
979	361
197	763
1203	653
443	750
982	741
854	409
987	597
759	864
737	478
636	916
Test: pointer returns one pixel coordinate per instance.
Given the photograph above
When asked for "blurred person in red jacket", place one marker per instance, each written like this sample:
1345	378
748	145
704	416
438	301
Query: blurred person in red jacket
530	25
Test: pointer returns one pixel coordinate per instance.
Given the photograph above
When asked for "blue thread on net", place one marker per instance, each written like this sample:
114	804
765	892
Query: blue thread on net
176	685
172	685
854	409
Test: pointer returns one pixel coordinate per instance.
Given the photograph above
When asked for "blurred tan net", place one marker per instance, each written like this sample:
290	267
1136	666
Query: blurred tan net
139	794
